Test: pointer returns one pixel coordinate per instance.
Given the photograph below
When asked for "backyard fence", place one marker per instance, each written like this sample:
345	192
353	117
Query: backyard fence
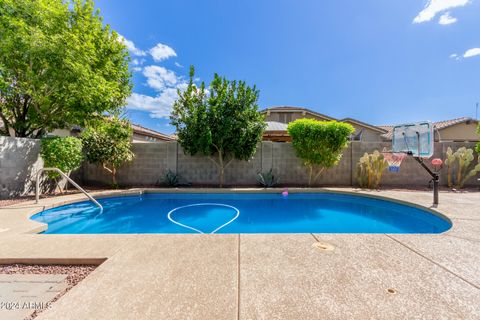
20	160
152	160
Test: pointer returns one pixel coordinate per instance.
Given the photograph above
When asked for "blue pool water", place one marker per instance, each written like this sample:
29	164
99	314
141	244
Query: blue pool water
257	213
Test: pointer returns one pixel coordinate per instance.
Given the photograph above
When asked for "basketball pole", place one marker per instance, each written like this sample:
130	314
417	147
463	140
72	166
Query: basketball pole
435	177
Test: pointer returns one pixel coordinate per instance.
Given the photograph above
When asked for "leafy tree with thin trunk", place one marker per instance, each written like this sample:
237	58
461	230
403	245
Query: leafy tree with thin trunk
59	65
319	143
223	124
108	143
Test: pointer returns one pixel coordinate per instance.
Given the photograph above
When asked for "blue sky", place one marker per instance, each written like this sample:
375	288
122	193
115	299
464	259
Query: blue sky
382	62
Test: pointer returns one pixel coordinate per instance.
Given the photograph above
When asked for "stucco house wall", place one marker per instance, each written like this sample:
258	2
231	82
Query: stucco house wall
459	132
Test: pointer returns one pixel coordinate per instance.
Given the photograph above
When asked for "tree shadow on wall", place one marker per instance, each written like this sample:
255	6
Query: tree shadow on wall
19	164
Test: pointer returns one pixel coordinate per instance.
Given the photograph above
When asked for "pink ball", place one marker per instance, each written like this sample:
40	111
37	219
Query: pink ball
437	162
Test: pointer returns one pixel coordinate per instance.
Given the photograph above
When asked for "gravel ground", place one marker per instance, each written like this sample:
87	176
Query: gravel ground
9	202
75	274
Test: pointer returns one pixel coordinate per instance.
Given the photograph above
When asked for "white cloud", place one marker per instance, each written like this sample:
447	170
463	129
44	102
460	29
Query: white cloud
162	52
166	83
138	62
178	65
131	46
136	69
472	53
434	7
159	78
446	19
158	107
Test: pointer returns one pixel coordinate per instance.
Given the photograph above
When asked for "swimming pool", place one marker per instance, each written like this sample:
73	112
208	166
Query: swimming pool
241	213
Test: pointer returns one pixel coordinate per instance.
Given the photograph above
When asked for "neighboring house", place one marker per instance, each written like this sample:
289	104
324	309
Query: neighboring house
142	134
458	130
365	131
289	114
277	119
277	132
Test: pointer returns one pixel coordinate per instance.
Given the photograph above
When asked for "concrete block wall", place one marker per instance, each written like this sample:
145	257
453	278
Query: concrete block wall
147	168
19	162
153	159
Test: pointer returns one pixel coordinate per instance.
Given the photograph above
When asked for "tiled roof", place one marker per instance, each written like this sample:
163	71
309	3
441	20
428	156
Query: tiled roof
292	108
439	125
151	133
364	124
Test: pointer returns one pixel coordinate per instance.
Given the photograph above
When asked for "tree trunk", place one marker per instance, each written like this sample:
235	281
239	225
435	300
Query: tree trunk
114	178
310	176
221	168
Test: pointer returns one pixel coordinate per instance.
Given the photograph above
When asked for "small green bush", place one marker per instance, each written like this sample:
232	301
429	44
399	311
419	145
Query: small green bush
62	153
370	168
319	143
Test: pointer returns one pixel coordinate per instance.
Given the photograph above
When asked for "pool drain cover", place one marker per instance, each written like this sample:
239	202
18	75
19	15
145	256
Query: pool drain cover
323	246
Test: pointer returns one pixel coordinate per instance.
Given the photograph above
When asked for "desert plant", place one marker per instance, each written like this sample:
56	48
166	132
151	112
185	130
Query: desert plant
267	179
62	153
370	168
458	167
108	144
478	143
171	179
223	124
319	143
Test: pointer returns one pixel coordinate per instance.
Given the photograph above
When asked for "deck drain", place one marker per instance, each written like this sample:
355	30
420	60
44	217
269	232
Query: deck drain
322	246
391	291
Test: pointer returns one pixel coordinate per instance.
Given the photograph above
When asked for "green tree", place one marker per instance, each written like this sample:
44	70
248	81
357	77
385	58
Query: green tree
59	65
319	143
108	143
62	153
224	124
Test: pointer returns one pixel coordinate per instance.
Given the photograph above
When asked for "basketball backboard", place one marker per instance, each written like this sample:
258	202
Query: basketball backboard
414	138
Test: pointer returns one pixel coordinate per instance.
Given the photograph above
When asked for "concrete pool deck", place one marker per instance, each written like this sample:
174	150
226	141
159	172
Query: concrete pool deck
263	276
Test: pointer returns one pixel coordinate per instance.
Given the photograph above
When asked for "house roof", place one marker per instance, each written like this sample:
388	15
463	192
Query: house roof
292	108
276	126
138	129
364	124
439	125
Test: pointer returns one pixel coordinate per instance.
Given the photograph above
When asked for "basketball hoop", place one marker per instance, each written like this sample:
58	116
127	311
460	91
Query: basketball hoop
394	160
416	140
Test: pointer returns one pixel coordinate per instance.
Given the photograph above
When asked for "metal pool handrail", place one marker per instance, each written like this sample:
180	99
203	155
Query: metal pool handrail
37	185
